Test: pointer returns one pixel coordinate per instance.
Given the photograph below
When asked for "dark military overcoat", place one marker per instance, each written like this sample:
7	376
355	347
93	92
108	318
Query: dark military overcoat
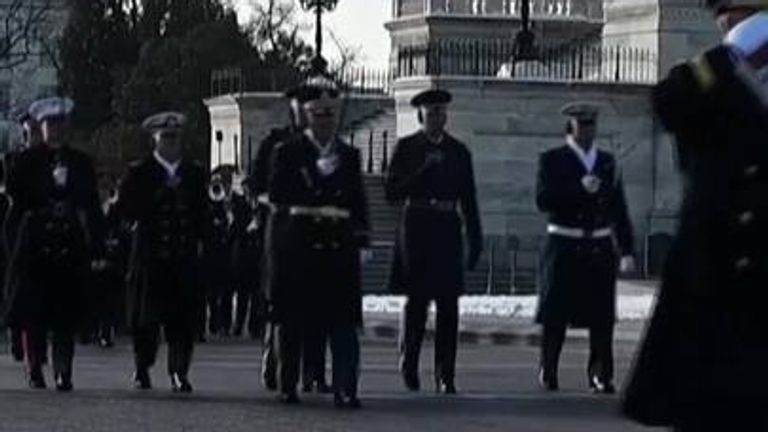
53	233
168	218
577	279
706	346
315	265
429	247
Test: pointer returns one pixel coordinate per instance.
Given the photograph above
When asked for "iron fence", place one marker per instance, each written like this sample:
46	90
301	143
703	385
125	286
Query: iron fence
495	58
241	79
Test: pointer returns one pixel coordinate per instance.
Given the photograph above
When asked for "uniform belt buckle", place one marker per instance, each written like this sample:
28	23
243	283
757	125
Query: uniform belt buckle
59	209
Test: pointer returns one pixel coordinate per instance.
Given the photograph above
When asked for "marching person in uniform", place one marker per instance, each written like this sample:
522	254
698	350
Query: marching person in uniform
269	224
702	365
580	189
55	243
30	137
226	216
316	184
111	279
244	258
163	198
230	215
431	173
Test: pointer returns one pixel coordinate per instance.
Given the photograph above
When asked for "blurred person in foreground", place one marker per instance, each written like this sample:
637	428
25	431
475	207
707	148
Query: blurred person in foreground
702	365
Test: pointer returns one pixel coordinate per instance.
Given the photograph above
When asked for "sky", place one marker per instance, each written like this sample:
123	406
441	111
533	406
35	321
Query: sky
356	23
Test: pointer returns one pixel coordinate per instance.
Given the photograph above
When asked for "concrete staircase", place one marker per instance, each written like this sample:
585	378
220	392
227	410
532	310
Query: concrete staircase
384	219
375	136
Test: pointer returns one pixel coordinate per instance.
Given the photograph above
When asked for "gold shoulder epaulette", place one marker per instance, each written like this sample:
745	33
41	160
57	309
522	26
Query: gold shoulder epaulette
703	72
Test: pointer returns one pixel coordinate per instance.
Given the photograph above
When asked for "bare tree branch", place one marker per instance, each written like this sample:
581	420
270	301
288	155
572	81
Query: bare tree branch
23	30
349	56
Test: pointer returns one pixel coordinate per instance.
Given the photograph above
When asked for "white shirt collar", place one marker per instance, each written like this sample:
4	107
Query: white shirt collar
439	140
588	158
323	148
170	167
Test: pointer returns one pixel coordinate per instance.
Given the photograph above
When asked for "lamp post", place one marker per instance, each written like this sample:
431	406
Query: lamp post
524	48
319	64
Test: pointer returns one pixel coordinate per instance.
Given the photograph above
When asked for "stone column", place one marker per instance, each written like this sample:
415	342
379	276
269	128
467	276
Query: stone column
673	30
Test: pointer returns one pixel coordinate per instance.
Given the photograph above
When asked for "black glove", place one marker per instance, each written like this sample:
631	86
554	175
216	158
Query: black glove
473	257
432	159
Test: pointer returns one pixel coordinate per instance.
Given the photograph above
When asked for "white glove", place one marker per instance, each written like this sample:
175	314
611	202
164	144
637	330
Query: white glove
627	264
60	175
99	265
366	256
591	183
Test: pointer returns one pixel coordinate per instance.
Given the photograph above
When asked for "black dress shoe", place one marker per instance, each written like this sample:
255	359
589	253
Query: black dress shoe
290	398
350	402
548	381
269	382
36	379
141	380
599	386
180	384
106	342
17	348
445	387
354	403
322	387
64	383
411	381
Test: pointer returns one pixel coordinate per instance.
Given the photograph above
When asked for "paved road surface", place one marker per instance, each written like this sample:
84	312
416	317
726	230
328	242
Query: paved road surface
497	385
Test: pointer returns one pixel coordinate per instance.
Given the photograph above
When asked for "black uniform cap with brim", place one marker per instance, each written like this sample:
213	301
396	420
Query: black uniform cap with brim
312	89
581	110
430	97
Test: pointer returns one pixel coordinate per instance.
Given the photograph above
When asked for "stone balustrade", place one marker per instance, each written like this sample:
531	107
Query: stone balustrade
592	9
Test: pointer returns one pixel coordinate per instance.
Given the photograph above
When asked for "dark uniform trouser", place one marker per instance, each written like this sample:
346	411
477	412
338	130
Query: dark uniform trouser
600	362
53	315
269	357
244	300
146	341
220	305
316	337
345	350
412	333
17	343
35	340
288	337
178	323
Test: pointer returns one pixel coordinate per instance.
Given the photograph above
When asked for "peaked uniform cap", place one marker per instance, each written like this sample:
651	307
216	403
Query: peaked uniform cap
431	96
314	88
581	110
164	120
55	107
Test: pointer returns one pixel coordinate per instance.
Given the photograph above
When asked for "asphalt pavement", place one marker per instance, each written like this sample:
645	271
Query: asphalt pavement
497	392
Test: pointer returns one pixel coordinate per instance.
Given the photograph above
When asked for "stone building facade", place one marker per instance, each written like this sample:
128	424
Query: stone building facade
507	120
